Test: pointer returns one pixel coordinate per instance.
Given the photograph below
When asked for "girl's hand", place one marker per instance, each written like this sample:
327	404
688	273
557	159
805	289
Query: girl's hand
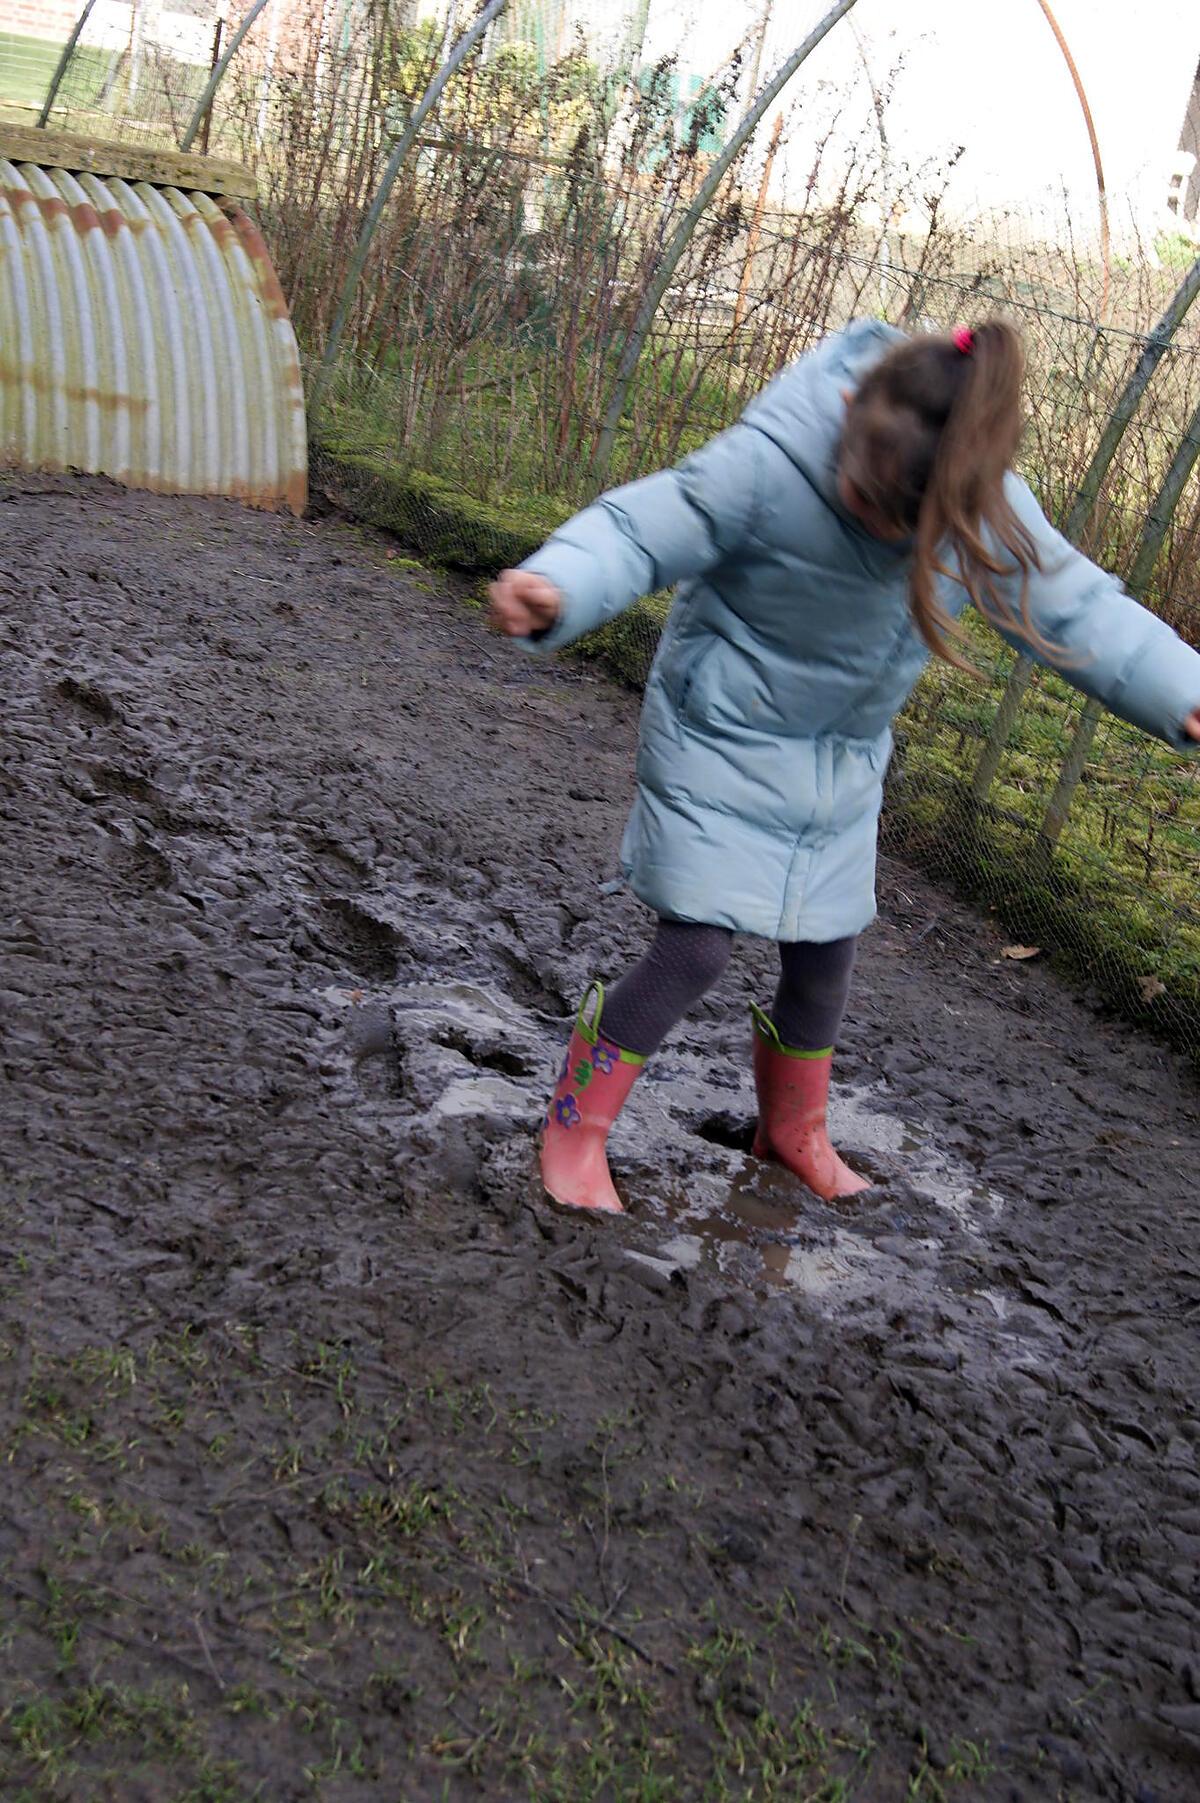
523	603
1191	725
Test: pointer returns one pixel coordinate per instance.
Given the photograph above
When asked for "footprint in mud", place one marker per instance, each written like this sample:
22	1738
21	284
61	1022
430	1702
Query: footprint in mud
334	863
468	1052
368	946
510	1061
88	697
447	1051
375	1056
137	864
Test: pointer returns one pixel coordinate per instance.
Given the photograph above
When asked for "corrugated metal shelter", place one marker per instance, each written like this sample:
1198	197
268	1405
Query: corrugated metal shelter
143	332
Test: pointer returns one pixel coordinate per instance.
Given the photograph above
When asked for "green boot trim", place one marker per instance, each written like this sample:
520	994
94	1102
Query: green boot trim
766	1029
589	1030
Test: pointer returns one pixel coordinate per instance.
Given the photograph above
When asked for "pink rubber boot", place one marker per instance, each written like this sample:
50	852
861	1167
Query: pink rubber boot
793	1094
592	1088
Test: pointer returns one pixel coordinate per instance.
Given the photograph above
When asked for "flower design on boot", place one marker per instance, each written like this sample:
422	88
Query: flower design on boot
566	1113
605	1057
583	1074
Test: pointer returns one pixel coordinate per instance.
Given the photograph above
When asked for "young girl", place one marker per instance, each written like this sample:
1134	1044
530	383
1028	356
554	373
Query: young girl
825	546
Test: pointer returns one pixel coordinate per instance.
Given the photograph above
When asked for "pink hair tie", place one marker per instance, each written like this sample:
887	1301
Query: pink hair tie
964	339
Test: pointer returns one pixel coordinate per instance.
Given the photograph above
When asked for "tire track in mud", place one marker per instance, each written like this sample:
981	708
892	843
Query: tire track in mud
301	884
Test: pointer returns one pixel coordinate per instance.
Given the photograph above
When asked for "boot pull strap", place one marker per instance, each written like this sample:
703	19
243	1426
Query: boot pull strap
589	1030
766	1029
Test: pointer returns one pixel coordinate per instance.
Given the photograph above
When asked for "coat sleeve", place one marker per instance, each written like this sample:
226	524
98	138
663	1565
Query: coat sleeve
651	534
1104	642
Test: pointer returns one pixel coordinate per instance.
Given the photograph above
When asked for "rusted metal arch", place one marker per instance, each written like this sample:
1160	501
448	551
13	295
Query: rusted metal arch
143	332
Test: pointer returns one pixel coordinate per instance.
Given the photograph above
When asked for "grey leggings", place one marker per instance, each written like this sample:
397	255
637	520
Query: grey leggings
685	960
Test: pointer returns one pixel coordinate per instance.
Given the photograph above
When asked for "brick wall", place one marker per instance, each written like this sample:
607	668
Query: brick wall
52	19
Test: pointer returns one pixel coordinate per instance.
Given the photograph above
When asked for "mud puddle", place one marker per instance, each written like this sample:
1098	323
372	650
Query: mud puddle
459	1053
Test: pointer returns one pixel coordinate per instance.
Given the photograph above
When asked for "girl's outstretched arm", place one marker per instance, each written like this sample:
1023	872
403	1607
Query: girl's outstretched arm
1103	641
634	540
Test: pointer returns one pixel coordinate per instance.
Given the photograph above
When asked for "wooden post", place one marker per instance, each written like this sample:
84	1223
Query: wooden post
756	222
218	28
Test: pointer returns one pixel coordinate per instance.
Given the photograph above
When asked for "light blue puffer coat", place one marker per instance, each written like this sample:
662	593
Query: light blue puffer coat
788	651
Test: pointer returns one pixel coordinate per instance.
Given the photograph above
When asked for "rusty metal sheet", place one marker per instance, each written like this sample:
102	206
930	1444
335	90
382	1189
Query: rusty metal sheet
144	336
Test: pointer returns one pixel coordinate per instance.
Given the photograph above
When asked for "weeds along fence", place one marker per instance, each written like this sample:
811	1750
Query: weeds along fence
480	348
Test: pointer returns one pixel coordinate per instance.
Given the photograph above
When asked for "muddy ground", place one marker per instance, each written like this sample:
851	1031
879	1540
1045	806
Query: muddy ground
335	1464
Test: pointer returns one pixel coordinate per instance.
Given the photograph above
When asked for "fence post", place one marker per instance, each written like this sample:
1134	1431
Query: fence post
1150	544
218	74
60	70
683	232
420	113
1153	351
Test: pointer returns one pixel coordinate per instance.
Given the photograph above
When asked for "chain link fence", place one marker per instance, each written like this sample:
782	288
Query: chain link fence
466	406
134	72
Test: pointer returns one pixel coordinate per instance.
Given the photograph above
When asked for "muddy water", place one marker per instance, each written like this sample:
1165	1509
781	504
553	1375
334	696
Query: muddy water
705	1205
303	876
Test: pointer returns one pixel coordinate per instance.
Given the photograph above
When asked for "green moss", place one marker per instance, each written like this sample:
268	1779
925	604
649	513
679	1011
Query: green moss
440	520
459	530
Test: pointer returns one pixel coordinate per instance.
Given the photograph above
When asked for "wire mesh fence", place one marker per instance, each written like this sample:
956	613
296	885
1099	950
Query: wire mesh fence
465	409
135	71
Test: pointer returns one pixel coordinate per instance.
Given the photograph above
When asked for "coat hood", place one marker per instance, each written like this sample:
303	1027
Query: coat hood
802	410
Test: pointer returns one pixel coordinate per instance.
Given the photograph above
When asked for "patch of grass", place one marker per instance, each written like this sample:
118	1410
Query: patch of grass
355	1575
114	1732
1114	903
27	68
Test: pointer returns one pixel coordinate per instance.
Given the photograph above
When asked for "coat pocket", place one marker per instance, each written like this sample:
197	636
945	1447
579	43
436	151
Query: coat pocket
858	769
689	704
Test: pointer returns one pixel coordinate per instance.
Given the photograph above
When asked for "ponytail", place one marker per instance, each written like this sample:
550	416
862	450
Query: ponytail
952	407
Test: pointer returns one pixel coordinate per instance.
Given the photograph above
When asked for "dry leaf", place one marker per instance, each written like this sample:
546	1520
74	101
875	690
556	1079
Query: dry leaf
1151	988
1020	951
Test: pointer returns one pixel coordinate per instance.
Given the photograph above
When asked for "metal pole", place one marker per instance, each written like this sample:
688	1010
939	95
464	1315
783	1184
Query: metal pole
421	112
760	44
638	26
215	58
760	207
1157	525
1153	352
215	79
683	233
1082	509
1105	246
56	80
